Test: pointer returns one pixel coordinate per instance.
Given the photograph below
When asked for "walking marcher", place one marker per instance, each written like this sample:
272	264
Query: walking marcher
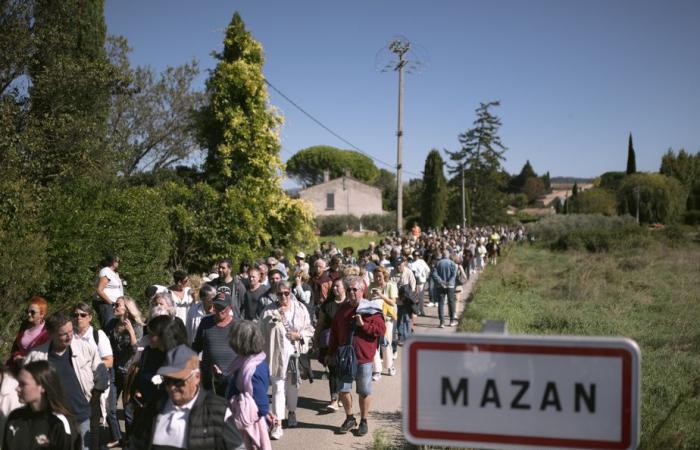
287	330
444	274
181	294
109	289
230	285
44	421
32	333
125	331
212	342
326	314
358	335
387	292
199	310
104	412
185	416
251	308
421	271
81	371
250	379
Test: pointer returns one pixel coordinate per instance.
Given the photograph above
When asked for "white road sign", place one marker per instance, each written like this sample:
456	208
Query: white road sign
521	392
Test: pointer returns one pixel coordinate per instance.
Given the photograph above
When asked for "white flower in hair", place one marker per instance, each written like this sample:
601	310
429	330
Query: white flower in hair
157	380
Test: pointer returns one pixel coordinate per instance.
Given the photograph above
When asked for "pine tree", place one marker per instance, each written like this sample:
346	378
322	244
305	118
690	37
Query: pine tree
481	154
434	196
631	160
239	128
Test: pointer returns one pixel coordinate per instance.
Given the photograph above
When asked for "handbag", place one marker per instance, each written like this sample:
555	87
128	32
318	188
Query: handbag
346	359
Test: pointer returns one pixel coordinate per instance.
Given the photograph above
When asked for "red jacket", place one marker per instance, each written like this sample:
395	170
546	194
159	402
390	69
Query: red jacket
366	338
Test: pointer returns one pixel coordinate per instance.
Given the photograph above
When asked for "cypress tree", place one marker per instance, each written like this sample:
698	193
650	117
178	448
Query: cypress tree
70	92
631	160
238	126
434	196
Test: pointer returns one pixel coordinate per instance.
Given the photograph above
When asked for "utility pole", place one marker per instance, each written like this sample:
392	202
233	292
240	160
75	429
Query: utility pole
464	212
399	47
636	193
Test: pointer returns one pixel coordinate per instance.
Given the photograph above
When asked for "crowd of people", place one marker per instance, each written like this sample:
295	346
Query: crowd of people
218	359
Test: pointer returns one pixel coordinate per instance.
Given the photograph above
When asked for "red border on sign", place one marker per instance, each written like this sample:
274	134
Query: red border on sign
625	438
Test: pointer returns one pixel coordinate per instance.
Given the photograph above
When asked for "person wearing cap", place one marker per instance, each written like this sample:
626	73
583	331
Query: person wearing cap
212	341
301	265
184	416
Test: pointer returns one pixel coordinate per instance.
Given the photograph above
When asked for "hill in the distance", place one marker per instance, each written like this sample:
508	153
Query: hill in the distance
570	180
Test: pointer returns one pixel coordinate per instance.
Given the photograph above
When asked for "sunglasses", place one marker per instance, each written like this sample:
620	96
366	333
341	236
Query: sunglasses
176	382
31	312
285	293
80	314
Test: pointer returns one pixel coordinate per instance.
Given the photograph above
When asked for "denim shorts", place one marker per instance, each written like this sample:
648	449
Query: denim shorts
363	380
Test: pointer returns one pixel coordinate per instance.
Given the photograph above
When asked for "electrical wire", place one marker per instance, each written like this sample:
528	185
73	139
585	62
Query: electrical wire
307	114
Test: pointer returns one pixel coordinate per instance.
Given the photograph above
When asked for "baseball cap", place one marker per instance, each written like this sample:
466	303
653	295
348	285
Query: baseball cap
222	300
301	255
180	362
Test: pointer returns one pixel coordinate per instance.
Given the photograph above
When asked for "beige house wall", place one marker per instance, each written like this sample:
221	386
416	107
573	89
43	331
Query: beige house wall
350	197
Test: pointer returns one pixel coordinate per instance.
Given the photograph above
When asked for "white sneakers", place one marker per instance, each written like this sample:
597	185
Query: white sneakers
392	371
276	432
376	376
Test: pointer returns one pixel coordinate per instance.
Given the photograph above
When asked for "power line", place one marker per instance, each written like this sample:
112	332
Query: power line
307	114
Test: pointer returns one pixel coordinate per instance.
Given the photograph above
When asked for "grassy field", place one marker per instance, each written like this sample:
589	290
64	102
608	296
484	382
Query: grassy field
651	295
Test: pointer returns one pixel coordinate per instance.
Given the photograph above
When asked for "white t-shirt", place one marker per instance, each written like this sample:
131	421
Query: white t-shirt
114	288
182	306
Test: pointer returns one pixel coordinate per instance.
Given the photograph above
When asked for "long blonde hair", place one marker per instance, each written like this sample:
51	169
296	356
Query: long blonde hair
132	310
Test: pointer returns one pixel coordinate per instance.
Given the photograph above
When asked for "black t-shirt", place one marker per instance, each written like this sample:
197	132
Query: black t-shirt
29	430
251	308
72	391
234	288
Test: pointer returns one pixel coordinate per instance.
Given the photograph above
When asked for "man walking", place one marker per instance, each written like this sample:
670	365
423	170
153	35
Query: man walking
212	341
188	416
83	375
445	275
227	284
362	332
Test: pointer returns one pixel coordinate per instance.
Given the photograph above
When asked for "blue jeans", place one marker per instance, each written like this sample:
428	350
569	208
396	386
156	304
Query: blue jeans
450	293
112	420
84	427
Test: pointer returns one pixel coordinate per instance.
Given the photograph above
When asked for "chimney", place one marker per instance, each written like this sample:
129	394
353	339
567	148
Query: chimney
326	176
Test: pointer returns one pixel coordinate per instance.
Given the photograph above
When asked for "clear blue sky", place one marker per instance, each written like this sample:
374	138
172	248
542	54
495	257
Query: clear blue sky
573	77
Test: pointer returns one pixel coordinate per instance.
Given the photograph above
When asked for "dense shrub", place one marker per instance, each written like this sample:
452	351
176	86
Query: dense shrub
337	224
551	228
381	223
85	220
209	224
603	240
662	199
595	201
22	254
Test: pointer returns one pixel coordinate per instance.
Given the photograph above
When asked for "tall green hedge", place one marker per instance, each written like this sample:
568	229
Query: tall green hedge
84	220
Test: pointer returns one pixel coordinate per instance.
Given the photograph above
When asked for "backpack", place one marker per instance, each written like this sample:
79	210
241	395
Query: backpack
346	359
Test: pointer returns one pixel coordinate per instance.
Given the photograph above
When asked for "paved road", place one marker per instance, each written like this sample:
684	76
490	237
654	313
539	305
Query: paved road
317	428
